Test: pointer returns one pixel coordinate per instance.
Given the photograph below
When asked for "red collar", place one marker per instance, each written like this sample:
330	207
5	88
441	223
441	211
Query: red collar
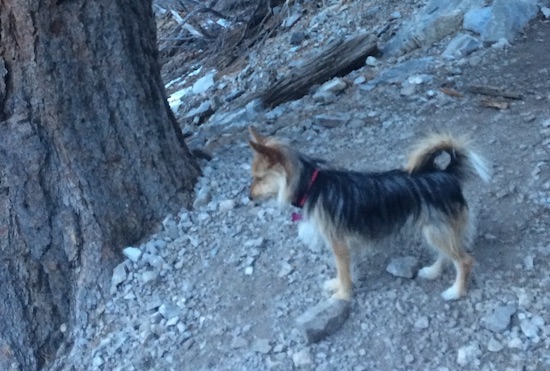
302	201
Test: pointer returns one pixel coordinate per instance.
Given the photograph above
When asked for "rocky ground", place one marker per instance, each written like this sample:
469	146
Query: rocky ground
220	286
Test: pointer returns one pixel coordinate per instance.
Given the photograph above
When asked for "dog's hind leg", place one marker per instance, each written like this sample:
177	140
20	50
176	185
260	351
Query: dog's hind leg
448	239
341	285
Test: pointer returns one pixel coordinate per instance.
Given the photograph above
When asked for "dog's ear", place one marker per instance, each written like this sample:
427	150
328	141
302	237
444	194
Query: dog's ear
255	135
271	154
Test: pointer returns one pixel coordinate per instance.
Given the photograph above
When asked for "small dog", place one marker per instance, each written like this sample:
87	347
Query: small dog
344	206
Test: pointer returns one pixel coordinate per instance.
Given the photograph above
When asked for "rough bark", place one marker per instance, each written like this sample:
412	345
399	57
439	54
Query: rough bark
91	158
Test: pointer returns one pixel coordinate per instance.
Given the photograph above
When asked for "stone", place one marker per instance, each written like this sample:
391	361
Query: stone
238	342
148	276
201	110
371	61
422	322
405	267
515	343
204	83
261	346
499	320
528	328
226	205
494	346
461	46
203	197
476	19
119	274
302	358
468	354
132	253
330	120
545	12
296	38
509	18
323	320
336	85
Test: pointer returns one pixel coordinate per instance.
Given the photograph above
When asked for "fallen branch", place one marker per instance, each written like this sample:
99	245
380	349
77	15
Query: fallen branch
338	59
494	92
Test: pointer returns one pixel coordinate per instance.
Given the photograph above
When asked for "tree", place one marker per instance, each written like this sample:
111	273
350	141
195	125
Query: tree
91	158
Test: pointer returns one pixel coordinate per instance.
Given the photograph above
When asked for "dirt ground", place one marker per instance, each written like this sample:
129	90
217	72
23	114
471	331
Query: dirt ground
244	277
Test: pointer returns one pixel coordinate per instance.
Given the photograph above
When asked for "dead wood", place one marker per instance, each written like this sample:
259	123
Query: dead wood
338	59
494	92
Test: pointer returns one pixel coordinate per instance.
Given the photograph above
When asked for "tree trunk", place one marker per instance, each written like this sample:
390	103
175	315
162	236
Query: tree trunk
91	158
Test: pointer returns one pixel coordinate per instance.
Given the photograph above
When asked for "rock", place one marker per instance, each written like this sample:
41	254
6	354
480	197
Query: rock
515	343
203	197
461	46
494	345
132	253
302	358
248	271
401	72
435	21
296	38
324	319
476	19
204	83
407	89
204	109
499	320
545	11
335	85
503	20
119	274
422	322
468	354
226	205
285	270
371	61
238	342
261	346
405	267
148	276
528	328
330	120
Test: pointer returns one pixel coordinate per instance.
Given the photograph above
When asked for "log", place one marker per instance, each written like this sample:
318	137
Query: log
338	59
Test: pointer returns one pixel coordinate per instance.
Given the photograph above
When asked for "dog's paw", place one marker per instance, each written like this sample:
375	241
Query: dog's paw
429	273
331	285
341	295
452	293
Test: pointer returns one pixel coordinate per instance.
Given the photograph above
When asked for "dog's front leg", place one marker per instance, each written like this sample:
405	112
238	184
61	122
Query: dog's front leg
342	284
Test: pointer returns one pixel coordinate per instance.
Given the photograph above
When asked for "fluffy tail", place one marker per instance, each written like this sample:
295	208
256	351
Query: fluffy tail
461	160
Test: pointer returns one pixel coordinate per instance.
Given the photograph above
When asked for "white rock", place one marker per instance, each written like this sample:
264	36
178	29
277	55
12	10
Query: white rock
132	253
226	205
545	11
515	343
468	354
335	85
248	271
494	345
148	276
371	61
119	274
204	83
528	328
422	322
302	358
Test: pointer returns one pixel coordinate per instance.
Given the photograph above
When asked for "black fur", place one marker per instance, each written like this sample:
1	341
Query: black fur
378	203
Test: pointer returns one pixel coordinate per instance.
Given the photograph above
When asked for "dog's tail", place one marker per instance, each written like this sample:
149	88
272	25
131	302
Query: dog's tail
461	161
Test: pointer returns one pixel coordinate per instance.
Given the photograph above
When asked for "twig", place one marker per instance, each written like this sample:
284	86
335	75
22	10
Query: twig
494	92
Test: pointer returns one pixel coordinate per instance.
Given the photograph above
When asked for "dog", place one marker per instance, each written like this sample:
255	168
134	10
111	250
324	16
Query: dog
345	206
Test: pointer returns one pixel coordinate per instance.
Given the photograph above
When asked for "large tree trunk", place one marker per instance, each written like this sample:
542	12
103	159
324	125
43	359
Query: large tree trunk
90	159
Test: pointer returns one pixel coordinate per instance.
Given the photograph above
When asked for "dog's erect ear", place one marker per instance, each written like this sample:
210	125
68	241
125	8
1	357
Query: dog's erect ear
272	155
255	135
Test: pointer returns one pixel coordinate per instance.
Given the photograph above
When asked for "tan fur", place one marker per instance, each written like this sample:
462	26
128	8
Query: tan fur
431	144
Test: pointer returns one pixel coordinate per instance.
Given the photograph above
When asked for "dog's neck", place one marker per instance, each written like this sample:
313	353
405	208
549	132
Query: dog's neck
302	193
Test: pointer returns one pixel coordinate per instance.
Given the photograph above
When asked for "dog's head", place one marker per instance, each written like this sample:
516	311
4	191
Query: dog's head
270	167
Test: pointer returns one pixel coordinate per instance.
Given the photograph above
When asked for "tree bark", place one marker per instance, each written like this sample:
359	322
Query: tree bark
91	158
